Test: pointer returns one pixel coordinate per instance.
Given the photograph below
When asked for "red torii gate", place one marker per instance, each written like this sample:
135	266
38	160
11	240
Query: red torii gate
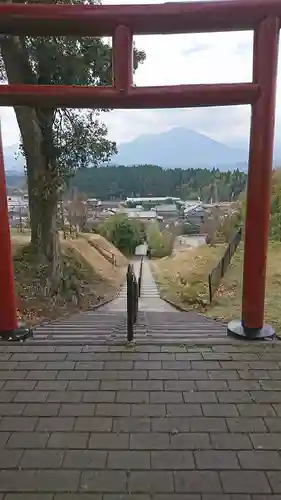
122	22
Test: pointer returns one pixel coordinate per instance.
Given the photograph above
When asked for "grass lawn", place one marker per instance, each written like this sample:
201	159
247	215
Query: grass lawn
183	280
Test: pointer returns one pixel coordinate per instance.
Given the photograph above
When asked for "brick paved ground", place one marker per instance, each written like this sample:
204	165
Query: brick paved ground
150	423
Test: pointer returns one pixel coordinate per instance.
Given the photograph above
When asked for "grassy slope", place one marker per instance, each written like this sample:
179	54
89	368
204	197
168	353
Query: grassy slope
90	280
227	302
104	245
96	260
183	279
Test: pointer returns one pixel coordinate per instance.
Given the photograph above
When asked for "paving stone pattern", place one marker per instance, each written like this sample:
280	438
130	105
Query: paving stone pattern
152	422
156	321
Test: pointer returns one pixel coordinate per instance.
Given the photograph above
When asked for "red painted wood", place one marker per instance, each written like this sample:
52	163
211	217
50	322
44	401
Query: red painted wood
178	96
184	17
122	58
8	308
260	172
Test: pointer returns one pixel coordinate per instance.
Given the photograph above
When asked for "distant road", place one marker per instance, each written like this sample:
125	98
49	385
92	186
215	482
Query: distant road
141	250
192	241
182	241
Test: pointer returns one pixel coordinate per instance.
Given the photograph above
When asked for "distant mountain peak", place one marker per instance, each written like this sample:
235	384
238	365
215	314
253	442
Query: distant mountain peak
178	147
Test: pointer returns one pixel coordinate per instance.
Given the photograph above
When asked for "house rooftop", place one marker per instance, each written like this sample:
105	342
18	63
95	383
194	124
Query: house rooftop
167	208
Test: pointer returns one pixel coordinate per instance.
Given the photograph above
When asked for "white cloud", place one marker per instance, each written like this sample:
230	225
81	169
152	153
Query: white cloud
181	59
9	126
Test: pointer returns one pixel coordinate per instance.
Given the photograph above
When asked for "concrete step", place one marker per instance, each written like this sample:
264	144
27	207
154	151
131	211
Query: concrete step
158	322
151	327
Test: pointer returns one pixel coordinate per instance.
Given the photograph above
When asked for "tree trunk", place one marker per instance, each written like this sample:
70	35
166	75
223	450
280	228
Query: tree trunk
36	131
43	223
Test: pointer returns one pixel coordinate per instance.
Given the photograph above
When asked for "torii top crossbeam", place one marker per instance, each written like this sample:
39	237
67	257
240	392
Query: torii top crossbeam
121	22
167	18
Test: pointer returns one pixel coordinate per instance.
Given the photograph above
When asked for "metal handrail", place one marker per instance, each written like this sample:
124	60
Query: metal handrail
220	269
133	294
140	277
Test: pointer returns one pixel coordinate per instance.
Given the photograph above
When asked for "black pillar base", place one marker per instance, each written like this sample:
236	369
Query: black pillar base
236	329
19	335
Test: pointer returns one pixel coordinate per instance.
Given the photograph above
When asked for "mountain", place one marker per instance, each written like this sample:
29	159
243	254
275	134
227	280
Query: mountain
179	147
14	180
244	144
13	161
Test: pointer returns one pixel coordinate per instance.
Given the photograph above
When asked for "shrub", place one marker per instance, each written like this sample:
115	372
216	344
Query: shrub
159	243
124	233
91	227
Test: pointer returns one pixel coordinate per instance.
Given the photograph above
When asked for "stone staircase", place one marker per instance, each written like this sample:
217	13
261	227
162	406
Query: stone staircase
158	321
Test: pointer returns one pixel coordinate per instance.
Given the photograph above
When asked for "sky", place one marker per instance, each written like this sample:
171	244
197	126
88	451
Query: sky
181	59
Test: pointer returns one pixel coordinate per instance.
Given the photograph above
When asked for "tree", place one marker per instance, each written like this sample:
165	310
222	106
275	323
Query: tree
275	209
208	228
229	224
160	243
77	213
124	233
55	142
152	180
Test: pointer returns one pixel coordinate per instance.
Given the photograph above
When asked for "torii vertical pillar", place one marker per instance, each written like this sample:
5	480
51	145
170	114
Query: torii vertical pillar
122	59
9	329
265	60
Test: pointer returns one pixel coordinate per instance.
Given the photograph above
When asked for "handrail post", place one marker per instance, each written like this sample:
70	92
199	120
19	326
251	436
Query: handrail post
140	278
210	288
130	313
135	301
132	301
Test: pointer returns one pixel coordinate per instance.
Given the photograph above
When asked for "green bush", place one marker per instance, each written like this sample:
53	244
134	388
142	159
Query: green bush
91	227
124	233
140	226
159	243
